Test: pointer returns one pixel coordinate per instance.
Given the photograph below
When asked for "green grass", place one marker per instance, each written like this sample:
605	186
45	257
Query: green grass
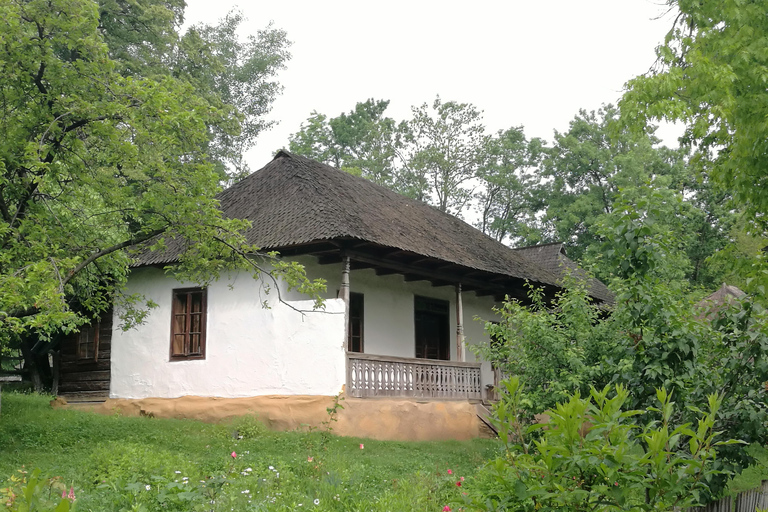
110	460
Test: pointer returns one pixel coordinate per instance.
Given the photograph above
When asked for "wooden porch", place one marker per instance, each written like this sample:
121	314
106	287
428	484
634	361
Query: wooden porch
384	376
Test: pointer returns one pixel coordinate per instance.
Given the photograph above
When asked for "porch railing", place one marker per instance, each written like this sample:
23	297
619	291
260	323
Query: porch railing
377	376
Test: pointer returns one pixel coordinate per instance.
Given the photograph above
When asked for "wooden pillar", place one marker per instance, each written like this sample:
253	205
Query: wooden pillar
344	295
460	356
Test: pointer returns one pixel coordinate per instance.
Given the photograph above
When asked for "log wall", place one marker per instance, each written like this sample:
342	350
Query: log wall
87	379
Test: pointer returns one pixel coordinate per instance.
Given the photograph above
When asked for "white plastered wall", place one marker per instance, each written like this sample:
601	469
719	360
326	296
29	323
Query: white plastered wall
388	326
250	350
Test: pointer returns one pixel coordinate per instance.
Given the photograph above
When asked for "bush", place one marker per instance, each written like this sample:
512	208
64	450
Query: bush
591	456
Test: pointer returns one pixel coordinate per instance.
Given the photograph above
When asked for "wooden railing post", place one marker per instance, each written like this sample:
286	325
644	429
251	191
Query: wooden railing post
460	356
344	295
371	376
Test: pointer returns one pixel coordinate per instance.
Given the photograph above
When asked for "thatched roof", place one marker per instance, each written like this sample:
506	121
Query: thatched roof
296	204
553	258
724	295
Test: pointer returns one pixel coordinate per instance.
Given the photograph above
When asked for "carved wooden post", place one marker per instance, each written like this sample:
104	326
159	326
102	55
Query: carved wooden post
344	295
459	325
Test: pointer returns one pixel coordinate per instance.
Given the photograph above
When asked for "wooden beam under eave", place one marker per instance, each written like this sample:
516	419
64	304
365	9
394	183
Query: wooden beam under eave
359	265
329	260
413	277
385	271
421	273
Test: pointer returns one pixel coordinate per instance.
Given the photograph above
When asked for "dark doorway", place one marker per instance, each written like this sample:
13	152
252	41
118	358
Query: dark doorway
355	328
431	322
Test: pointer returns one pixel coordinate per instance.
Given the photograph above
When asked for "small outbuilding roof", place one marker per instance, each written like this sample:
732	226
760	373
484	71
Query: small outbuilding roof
553	258
724	295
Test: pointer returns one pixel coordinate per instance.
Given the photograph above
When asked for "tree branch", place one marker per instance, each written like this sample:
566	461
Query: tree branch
256	267
122	245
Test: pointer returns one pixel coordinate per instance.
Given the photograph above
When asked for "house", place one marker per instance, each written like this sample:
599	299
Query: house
405	283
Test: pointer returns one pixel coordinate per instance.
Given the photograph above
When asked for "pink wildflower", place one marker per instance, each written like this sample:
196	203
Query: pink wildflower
616	484
446	509
450	472
361	446
234	455
64	494
462	478
71	493
458	484
310	459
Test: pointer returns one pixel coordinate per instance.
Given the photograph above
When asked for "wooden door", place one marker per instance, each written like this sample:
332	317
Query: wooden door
431	328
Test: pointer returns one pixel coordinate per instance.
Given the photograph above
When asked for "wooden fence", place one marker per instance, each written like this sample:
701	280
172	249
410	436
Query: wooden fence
748	501
377	376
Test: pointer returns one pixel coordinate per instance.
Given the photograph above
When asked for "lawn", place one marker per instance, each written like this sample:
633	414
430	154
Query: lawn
115	463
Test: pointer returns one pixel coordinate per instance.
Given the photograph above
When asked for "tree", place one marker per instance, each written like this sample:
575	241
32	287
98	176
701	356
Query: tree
92	163
654	338
363	142
445	151
236	76
586	168
509	194
593	166
710	74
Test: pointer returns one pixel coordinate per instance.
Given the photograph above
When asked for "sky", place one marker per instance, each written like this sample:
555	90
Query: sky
532	63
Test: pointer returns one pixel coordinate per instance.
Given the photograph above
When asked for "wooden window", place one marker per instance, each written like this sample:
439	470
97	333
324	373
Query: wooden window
355	329
88	343
431	326
188	319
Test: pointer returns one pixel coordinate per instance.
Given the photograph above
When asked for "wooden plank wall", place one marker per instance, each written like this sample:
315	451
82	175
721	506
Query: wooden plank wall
87	380
748	501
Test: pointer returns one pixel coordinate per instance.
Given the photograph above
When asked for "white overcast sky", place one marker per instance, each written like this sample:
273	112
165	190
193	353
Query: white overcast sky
534	63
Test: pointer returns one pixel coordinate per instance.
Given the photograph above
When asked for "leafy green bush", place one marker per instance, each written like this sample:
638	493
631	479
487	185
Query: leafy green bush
591	456
33	493
654	337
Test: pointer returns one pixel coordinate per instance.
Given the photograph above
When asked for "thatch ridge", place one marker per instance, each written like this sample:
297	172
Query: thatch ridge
294	200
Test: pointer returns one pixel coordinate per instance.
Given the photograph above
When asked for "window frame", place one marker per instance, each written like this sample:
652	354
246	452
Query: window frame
187	314
96	327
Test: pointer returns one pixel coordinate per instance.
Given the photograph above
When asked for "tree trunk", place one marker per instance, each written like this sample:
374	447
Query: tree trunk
56	372
30	365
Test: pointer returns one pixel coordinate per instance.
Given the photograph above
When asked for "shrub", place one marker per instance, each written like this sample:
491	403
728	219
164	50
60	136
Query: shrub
592	456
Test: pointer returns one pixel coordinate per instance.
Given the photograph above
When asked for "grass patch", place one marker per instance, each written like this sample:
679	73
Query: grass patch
111	462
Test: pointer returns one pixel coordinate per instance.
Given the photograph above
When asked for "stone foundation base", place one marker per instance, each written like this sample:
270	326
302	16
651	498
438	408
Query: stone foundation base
380	418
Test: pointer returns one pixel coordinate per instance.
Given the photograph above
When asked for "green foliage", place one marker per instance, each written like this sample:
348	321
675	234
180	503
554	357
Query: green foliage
97	156
594	169
509	195
653	339
111	460
554	349
592	456
431	157
233	75
445	145
710	75
32	493
364	142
